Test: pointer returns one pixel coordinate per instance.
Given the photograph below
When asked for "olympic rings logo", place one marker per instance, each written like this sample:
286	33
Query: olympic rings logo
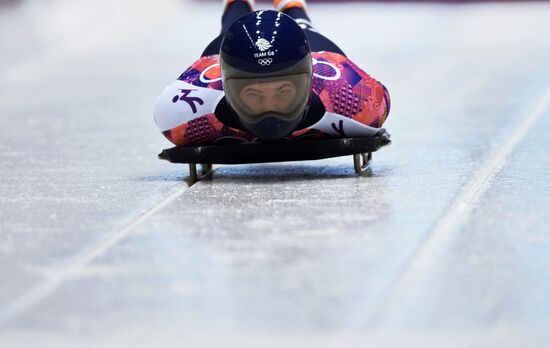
265	61
203	75
337	72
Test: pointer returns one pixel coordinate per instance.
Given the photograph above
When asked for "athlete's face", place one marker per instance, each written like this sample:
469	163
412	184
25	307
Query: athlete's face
268	96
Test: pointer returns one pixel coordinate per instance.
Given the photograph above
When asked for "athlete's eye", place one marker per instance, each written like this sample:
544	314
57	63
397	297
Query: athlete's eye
253	96
283	93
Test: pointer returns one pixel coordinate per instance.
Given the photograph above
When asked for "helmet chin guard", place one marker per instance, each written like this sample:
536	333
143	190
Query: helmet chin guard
272	126
267	73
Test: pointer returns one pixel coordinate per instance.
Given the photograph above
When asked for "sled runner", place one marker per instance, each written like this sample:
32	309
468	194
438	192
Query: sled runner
279	151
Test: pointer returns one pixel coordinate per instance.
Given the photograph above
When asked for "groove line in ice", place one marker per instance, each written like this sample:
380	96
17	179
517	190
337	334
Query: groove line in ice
35	295
435	239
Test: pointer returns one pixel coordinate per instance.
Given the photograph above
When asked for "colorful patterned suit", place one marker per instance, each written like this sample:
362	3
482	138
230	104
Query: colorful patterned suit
355	104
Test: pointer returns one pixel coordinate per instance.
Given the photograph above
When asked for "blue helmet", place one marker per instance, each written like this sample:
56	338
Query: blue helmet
267	73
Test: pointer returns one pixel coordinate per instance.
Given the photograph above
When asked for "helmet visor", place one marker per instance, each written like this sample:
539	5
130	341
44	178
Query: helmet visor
283	96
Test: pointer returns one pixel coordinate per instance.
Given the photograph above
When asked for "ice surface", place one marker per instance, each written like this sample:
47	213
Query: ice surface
296	254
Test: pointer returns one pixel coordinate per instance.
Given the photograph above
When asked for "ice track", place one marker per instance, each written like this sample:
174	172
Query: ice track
446	242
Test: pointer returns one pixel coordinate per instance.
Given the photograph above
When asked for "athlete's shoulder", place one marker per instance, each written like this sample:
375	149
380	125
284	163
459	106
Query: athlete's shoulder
345	89
329	56
205	72
194	94
337	82
331	66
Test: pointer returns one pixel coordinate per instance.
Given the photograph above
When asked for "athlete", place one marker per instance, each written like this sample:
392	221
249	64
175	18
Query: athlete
269	76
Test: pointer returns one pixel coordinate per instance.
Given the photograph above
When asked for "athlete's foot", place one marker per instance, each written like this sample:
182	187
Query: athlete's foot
250	3
283	5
